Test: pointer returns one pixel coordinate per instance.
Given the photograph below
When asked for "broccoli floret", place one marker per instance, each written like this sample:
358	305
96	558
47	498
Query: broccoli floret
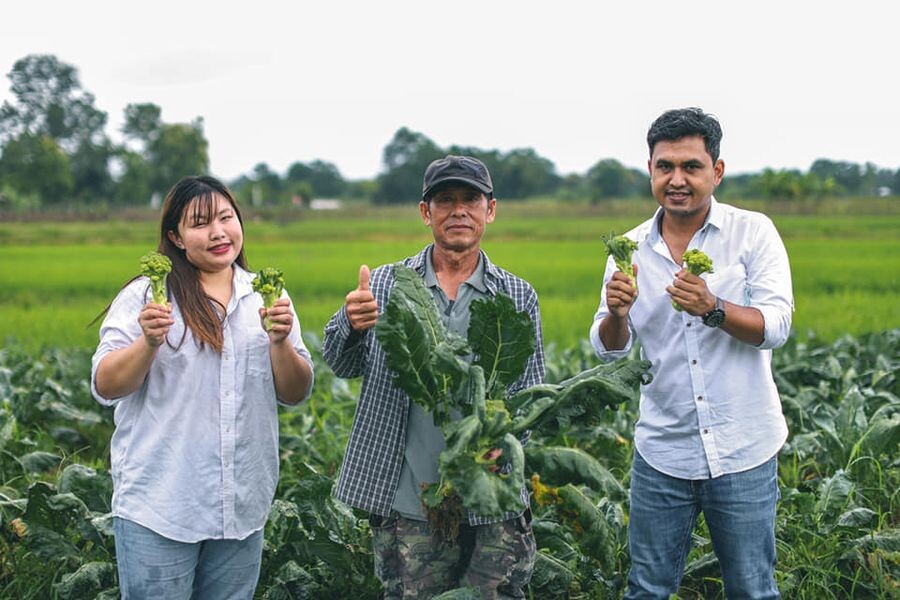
696	262
621	249
269	283
156	267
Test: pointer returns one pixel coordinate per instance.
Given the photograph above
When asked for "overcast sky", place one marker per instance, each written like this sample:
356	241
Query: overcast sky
577	81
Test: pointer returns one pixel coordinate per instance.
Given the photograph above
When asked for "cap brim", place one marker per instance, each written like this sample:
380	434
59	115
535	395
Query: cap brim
470	182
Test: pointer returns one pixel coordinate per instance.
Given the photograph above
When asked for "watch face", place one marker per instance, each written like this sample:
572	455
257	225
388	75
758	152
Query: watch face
714	318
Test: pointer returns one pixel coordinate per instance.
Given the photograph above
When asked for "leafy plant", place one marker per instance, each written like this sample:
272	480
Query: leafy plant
430	365
837	522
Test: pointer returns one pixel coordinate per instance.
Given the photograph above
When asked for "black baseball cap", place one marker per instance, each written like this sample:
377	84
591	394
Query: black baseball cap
462	169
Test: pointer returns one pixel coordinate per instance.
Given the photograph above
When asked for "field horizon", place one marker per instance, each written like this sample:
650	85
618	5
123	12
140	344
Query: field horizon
59	275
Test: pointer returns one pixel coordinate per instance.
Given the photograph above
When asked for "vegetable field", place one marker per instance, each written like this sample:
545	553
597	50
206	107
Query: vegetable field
838	525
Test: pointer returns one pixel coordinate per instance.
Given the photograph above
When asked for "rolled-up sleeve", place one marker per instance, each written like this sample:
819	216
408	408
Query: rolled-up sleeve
119	329
769	280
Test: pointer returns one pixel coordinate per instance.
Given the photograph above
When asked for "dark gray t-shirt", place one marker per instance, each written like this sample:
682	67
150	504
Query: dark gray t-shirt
424	441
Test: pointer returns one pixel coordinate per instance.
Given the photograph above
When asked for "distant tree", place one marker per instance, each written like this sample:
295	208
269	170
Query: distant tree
572	187
361	189
134	185
519	173
324	178
299	171
35	164
885	178
405	158
90	169
181	149
875	180
142	122
142	127
609	179
169	151
50	103
790	184
327	180
300	190
847	176
266	186
523	173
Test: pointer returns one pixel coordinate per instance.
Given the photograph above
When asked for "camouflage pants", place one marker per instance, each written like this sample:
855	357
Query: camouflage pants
412	562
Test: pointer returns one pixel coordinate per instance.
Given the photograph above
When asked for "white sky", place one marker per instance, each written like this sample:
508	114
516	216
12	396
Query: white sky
790	81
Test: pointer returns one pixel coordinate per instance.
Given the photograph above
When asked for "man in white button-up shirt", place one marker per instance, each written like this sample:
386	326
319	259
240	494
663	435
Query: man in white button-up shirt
710	422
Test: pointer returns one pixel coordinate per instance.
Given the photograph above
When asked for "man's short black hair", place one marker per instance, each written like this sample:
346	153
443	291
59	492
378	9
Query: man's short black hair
678	123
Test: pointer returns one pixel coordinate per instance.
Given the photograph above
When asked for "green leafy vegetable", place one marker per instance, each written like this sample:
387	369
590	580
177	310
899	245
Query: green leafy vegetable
696	262
502	339
427	359
589	523
559	466
584	397
621	248
431	365
156	267
268	283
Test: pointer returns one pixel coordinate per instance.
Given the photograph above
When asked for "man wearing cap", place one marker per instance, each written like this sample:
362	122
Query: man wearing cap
394	444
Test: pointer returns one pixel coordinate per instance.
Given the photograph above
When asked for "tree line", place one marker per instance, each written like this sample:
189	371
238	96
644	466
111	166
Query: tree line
55	152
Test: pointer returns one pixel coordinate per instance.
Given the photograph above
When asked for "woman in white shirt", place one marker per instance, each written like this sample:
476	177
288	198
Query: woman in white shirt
195	385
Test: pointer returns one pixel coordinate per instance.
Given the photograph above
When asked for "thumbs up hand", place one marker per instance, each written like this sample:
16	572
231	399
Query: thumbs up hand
363	278
360	304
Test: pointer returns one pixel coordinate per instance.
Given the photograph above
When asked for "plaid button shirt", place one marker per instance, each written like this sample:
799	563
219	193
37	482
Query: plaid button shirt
374	456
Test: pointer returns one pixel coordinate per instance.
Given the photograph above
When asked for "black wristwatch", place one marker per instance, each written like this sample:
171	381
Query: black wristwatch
716	316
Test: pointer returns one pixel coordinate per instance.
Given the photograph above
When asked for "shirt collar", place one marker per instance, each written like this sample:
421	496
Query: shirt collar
714	217
716	214
242	281
489	275
476	279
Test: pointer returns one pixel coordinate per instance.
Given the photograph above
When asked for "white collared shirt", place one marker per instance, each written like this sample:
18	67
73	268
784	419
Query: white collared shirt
194	454
712	407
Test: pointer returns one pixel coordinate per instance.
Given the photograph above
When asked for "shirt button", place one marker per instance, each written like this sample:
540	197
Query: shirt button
688	324
694	362
700	398
706	431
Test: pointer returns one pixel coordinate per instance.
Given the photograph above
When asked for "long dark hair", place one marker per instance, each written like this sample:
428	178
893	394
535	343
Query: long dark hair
201	313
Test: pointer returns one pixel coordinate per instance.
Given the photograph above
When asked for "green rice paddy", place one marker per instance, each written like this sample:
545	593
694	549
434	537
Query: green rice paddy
56	277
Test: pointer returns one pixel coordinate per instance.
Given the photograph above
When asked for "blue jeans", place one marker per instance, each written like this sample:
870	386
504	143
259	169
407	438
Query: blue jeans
740	513
153	566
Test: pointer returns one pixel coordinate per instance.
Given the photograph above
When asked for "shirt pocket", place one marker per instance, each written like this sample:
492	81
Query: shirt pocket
730	284
256	354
